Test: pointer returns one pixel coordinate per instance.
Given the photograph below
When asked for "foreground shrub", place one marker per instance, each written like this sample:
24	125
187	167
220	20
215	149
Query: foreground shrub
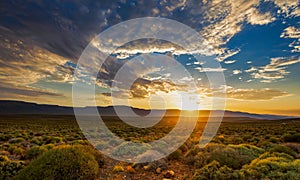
273	166
283	149
9	168
64	162
233	156
215	171
35	151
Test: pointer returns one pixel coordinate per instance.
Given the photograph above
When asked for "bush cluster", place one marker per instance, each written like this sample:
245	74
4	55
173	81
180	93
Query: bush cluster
63	162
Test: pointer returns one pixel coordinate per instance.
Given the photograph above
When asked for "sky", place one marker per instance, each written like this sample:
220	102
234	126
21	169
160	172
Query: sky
256	43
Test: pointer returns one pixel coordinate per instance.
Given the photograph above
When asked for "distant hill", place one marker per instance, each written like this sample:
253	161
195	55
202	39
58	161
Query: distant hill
20	107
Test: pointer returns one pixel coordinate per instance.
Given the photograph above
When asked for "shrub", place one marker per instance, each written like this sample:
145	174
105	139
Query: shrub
37	141
233	156
175	155
16	140
295	147
64	162
283	149
126	149
291	137
9	168
52	139
15	150
237	140
3	158
35	151
273	166
215	171
273	139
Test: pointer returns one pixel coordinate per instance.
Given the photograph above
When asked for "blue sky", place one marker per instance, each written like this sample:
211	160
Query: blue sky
256	42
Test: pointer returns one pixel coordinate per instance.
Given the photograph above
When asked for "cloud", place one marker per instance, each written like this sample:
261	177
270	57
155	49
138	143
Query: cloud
288	7
255	94
143	88
236	72
252	69
256	18
293	33
229	61
26	91
39	39
275	70
219	69
226	53
227	19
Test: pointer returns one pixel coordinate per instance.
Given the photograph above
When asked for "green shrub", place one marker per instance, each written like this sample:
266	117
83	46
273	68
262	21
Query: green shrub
37	141
9	168
131	149
52	139
273	166
3	158
15	150
175	155
215	171
64	162
276	154
273	140
35	151
81	142
233	156
237	140
16	140
283	149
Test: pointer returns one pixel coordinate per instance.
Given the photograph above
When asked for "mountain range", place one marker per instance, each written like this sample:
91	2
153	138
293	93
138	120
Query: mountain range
19	107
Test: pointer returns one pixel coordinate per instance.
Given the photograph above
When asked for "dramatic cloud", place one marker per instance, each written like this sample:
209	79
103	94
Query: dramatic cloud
143	88
42	41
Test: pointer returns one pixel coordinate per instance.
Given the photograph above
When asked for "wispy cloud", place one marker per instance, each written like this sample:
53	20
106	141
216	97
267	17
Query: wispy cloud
219	69
255	94
229	61
293	33
275	70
